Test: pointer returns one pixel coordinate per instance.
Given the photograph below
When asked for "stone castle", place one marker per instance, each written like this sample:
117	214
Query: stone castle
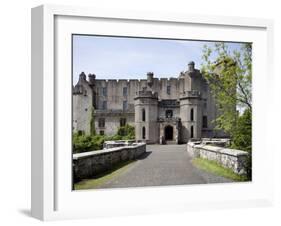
161	110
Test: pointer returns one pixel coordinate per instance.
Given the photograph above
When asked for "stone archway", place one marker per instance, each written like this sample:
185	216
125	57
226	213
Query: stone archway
169	133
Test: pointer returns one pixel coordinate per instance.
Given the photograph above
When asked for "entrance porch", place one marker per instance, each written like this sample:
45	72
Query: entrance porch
169	131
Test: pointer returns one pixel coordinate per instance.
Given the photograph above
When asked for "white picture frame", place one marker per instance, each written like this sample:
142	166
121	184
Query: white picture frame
52	196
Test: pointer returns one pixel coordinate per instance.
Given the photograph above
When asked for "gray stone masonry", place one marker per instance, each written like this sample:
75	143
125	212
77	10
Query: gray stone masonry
162	110
89	164
230	158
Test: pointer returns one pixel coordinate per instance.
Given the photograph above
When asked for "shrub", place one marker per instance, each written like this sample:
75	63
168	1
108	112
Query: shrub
242	138
84	143
126	132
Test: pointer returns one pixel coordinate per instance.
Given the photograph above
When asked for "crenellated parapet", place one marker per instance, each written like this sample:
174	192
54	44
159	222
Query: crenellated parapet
144	93
190	94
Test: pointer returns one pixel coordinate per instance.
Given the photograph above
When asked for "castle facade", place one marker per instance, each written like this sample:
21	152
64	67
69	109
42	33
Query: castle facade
161	110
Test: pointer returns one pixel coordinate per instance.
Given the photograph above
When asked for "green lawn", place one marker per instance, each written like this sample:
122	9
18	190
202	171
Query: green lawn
213	167
103	178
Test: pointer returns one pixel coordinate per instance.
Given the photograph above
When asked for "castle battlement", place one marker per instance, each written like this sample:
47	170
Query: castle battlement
190	94
146	94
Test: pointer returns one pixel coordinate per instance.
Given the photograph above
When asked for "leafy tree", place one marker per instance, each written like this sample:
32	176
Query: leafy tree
242	138
229	75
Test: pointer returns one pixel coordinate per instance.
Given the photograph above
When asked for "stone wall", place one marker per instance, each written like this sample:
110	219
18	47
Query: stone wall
112	121
221	142
89	164
229	158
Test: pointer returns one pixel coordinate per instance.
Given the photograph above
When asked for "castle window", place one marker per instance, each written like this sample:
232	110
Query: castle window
80	132
143	133
205	122
169	114
168	90
104	91
122	122
143	115
191	132
191	114
101	122
125	105
104	105
101	132
205	105
125	91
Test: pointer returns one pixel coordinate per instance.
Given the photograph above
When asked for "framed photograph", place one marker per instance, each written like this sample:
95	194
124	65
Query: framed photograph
136	112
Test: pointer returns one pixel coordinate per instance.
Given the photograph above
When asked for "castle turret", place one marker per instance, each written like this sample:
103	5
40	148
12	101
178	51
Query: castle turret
191	104
191	115
146	115
82	100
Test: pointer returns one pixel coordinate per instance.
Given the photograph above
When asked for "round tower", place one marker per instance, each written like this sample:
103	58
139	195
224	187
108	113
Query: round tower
191	115
146	116
191	105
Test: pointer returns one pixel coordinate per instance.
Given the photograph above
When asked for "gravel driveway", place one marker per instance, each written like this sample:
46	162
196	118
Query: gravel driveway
163	165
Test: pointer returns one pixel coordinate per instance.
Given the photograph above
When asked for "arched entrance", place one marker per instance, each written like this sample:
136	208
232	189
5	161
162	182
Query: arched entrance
168	133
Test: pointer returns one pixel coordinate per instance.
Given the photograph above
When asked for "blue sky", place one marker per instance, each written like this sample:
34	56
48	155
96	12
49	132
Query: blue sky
127	58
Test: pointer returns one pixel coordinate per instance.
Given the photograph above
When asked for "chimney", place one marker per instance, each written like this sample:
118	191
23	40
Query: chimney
191	67
82	76
92	79
149	78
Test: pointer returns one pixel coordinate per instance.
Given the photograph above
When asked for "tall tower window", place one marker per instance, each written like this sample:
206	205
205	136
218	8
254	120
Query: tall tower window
104	91
191	132
143	115
205	122
205	105
191	114
143	133
122	122
104	105
168	90
125	105
125	91
101	122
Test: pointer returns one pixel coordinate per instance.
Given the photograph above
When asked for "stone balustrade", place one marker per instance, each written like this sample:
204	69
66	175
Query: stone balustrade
117	143
221	142
234	159
89	164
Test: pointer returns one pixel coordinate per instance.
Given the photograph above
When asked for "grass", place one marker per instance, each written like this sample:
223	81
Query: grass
101	179
215	168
